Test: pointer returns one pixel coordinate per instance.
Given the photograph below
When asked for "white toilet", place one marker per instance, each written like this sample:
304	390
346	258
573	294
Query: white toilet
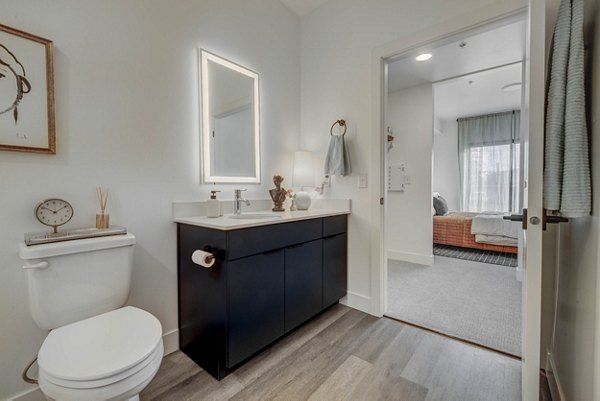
97	349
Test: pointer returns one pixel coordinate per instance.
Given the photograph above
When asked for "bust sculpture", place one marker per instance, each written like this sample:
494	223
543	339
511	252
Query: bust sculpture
278	194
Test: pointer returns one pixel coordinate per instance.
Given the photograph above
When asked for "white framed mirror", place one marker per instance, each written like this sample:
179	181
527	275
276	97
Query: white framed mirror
230	121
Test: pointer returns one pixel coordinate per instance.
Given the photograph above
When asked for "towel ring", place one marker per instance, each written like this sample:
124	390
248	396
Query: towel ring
341	123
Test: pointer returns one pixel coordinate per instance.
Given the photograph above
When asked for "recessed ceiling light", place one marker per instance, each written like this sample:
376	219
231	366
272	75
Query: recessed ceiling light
423	57
515	86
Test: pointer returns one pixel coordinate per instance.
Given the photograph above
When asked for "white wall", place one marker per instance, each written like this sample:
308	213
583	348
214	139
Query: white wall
410	114
446	176
126	109
576	346
337	42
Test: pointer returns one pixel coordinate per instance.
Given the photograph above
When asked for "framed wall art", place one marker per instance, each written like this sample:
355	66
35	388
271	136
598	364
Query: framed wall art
26	92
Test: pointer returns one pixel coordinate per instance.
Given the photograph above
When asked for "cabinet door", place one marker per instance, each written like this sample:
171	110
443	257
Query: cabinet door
256	297
335	274
303	282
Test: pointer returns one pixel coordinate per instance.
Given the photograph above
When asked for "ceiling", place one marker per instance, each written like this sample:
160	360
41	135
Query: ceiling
303	7
502	45
477	94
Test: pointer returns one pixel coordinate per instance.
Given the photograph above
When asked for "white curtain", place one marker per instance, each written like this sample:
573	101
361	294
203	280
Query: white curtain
488	151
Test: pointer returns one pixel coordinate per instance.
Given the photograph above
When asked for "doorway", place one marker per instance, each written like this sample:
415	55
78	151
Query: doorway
452	164
533	122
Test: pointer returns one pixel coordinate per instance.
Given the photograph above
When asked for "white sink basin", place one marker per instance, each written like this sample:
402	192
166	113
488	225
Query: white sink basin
253	216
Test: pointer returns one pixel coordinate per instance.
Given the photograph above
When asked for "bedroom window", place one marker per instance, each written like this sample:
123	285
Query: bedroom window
493	178
489	162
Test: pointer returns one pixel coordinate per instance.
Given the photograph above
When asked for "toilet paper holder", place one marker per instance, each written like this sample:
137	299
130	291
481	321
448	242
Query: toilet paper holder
206	257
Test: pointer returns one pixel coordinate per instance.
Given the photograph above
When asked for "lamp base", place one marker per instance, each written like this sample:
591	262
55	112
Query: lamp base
302	200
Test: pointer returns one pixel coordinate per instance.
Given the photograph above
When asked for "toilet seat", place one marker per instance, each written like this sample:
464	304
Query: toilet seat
101	351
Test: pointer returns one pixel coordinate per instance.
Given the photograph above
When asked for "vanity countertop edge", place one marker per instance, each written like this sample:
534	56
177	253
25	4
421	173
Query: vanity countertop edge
226	223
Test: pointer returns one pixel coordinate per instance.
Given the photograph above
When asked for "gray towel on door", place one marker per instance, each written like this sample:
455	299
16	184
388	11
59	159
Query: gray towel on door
337	161
567	176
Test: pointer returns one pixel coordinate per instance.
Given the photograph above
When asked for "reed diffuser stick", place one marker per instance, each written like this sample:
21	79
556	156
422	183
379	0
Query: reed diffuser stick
102	218
102	197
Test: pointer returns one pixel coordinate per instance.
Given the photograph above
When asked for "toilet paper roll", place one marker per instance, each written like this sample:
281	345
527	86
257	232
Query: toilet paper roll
202	258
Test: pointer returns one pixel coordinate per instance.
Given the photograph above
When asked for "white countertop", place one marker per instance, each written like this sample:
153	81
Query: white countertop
226	223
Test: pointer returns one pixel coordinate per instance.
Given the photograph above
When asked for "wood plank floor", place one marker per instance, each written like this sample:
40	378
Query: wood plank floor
345	354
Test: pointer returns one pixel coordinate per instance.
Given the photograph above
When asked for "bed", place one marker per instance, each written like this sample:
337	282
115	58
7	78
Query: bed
455	229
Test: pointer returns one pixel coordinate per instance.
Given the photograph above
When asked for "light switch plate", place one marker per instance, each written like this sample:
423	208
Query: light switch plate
407	179
363	180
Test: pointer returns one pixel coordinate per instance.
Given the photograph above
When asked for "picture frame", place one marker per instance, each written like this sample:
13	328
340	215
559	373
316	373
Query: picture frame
27	114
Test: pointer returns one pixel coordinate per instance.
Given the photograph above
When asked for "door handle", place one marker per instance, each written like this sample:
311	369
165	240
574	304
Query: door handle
546	219
552	220
518	217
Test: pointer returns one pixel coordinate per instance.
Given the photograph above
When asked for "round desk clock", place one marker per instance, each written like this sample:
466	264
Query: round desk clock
54	212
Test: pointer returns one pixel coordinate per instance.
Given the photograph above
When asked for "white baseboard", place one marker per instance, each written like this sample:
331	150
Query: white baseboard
33	394
418	258
170	342
556	390
357	301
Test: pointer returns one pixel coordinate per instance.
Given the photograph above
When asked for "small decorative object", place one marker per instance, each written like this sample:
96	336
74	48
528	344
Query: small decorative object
102	218
54	212
278	194
303	200
292	196
26	92
390	138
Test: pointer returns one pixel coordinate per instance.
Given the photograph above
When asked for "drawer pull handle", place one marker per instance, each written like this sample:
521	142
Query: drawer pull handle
203	258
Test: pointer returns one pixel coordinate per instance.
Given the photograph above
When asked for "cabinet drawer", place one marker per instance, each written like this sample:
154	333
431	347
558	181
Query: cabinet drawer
251	241
335	225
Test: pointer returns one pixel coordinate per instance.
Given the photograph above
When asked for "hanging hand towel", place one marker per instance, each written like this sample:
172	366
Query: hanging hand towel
567	177
337	161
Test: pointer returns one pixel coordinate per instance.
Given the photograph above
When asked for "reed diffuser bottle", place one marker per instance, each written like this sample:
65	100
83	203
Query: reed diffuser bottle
102	218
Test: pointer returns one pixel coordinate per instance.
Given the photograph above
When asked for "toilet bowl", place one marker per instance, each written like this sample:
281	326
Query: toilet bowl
112	356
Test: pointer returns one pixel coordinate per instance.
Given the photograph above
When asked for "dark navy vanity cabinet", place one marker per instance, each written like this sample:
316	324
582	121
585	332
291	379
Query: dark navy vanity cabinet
267	281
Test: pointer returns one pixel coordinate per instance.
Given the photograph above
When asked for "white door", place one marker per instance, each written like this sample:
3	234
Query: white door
533	145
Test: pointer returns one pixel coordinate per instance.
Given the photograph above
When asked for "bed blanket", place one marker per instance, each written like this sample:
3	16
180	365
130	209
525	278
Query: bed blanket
496	240
494	224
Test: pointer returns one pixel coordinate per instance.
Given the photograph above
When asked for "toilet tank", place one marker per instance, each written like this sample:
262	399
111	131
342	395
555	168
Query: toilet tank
73	280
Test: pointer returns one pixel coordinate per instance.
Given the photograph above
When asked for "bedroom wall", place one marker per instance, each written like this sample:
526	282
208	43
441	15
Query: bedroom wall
446	177
126	99
575	351
410	114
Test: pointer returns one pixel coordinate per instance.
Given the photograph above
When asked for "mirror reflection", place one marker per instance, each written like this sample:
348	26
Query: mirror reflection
230	122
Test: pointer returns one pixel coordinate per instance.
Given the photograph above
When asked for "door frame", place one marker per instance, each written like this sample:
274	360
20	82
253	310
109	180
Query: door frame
478	18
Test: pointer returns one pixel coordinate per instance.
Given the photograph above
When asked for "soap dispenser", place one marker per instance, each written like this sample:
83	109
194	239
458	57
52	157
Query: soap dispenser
213	206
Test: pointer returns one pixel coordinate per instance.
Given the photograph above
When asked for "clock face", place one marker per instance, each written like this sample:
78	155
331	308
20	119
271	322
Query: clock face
54	212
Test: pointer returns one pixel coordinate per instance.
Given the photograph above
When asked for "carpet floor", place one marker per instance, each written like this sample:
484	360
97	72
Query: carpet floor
474	301
476	255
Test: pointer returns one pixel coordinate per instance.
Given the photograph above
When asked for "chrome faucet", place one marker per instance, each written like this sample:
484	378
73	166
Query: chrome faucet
237	201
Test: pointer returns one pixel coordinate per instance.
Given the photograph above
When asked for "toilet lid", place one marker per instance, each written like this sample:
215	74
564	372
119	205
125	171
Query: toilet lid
100	346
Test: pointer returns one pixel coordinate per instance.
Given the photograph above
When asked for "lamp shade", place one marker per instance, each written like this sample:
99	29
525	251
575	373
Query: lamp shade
304	175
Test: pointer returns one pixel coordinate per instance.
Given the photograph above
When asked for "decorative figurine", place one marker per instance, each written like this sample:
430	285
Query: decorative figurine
278	194
292	196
